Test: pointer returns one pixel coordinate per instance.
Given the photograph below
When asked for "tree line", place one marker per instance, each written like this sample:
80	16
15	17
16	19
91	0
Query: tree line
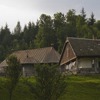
47	31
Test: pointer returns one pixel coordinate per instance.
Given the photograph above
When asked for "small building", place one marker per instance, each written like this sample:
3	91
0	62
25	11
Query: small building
80	56
28	58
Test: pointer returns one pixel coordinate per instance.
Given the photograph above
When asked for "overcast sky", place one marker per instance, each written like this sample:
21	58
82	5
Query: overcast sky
12	11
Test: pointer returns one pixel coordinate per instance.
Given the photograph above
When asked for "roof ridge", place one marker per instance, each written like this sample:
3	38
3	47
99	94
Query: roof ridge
31	49
82	38
85	47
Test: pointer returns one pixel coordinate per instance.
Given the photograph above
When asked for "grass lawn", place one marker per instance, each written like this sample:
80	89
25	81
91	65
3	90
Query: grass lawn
78	88
82	88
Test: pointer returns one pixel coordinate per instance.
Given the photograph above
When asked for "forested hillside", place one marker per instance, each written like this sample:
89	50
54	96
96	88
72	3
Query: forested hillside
47	31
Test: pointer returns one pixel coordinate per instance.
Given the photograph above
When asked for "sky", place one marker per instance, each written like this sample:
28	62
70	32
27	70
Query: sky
12	11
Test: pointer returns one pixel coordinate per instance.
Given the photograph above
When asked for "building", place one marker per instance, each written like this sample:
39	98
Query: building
28	58
80	56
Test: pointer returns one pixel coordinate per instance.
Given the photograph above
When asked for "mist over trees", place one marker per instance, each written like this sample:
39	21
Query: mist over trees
47	31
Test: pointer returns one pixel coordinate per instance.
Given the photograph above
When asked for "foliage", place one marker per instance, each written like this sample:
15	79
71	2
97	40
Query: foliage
78	88
49	85
13	73
60	28
83	88
47	31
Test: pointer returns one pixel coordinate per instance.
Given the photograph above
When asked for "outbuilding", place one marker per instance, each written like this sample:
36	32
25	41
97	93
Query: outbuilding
80	56
28	58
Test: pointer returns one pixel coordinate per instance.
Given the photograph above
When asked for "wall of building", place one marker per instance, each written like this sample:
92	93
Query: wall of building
82	66
69	68
88	65
28	70
68	54
85	63
2	72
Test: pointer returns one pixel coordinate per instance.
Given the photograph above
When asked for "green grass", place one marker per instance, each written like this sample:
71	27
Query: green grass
82	88
78	88
21	92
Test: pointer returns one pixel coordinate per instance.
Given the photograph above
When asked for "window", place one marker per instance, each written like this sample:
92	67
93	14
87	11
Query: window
99	64
93	63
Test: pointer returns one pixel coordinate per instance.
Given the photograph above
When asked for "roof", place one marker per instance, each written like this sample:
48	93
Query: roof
85	47
41	55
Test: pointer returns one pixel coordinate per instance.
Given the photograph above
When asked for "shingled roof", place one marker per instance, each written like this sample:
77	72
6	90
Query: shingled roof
41	55
85	47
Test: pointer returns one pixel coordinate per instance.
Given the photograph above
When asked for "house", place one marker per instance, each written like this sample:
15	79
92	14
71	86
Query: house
28	58
80	56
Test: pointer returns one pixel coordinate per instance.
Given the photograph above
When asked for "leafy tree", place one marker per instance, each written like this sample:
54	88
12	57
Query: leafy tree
60	29
71	22
85	32
71	17
13	73
45	36
97	24
49	84
48	30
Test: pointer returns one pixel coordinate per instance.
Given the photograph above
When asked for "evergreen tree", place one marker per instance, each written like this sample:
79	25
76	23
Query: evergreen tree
5	36
91	22
17	29
83	16
5	41
17	36
13	73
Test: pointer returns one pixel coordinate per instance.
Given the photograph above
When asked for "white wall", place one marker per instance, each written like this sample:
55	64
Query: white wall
71	65
71	68
28	70
2	70
85	63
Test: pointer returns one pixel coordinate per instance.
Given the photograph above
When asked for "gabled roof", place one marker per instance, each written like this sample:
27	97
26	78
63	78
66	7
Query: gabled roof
85	47
79	47
41	55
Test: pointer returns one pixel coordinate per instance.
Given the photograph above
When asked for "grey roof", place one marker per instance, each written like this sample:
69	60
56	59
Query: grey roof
41	55
85	47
